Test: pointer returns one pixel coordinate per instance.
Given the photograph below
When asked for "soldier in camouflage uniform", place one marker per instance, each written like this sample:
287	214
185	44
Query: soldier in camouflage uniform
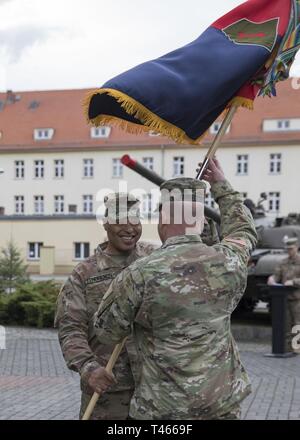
179	302
288	273
79	300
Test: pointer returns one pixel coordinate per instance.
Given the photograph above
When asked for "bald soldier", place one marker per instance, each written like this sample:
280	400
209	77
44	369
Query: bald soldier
179	302
288	273
79	300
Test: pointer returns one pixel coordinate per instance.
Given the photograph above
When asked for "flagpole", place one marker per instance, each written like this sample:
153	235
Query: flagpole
109	367
216	143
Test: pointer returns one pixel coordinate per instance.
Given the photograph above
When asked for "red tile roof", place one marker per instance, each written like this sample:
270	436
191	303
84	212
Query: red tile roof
62	110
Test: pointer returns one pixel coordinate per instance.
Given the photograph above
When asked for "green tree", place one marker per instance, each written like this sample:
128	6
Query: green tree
12	268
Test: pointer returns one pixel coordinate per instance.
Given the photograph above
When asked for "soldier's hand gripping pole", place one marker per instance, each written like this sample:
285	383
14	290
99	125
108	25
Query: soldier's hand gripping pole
109	367
216	143
158	180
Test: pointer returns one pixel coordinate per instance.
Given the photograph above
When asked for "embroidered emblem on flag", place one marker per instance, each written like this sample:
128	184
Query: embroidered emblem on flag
247	32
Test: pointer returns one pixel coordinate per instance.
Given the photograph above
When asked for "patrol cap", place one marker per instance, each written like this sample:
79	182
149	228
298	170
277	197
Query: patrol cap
120	206
290	241
183	189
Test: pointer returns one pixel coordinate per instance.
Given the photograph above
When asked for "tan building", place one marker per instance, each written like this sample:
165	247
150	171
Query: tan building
56	168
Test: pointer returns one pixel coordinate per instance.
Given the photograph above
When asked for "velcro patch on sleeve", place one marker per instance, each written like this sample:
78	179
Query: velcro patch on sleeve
235	241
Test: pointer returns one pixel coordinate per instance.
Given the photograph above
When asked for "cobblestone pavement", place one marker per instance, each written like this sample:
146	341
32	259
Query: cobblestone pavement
35	383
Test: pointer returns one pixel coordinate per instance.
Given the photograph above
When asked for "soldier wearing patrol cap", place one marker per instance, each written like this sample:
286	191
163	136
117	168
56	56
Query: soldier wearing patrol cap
79	299
288	273
179	302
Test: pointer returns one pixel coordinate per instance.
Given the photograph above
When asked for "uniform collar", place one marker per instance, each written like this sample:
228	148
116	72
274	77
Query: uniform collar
182	239
108	262
295	259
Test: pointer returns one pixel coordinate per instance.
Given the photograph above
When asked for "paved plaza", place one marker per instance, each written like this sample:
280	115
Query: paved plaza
35	383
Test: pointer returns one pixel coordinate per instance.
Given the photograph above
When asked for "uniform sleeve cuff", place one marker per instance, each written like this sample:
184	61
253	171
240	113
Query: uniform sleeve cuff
221	189
88	367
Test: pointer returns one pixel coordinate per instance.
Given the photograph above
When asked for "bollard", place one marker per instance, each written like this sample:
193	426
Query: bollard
279	296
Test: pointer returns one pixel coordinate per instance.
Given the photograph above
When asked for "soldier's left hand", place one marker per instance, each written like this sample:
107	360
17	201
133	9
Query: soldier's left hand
289	283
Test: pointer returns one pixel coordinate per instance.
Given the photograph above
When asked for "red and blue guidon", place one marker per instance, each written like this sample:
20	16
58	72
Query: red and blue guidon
181	94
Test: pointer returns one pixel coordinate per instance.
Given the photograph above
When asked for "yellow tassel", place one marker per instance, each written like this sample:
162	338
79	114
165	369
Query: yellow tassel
238	101
141	113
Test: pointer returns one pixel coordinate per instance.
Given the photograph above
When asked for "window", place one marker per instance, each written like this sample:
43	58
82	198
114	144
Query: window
100	132
41	134
292	124
39	204
178	166
59	204
283	125
88	167
275	163
146	207
117	168
274	202
215	127
244	195
82	251
19	205
242	164
34	251
19	169
72	209
209	201
88	207
59	168
39	169
148	163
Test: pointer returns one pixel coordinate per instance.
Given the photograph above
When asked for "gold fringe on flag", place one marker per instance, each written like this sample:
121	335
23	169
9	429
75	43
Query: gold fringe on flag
151	121
238	101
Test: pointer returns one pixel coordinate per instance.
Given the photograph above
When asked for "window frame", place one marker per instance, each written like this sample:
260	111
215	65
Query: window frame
21	203
179	162
89	203
36	202
117	166
275	162
59	167
82	250
59	201
148	162
40	168
19	168
37	250
88	168
243	164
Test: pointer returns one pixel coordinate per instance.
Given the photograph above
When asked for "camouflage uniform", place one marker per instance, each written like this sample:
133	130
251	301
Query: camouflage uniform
180	301
289	269
210	233
83	352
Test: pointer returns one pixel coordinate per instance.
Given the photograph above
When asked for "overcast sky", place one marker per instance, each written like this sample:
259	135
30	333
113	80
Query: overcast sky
63	44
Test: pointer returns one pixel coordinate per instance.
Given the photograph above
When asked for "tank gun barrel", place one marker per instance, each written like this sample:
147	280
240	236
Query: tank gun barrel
158	180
